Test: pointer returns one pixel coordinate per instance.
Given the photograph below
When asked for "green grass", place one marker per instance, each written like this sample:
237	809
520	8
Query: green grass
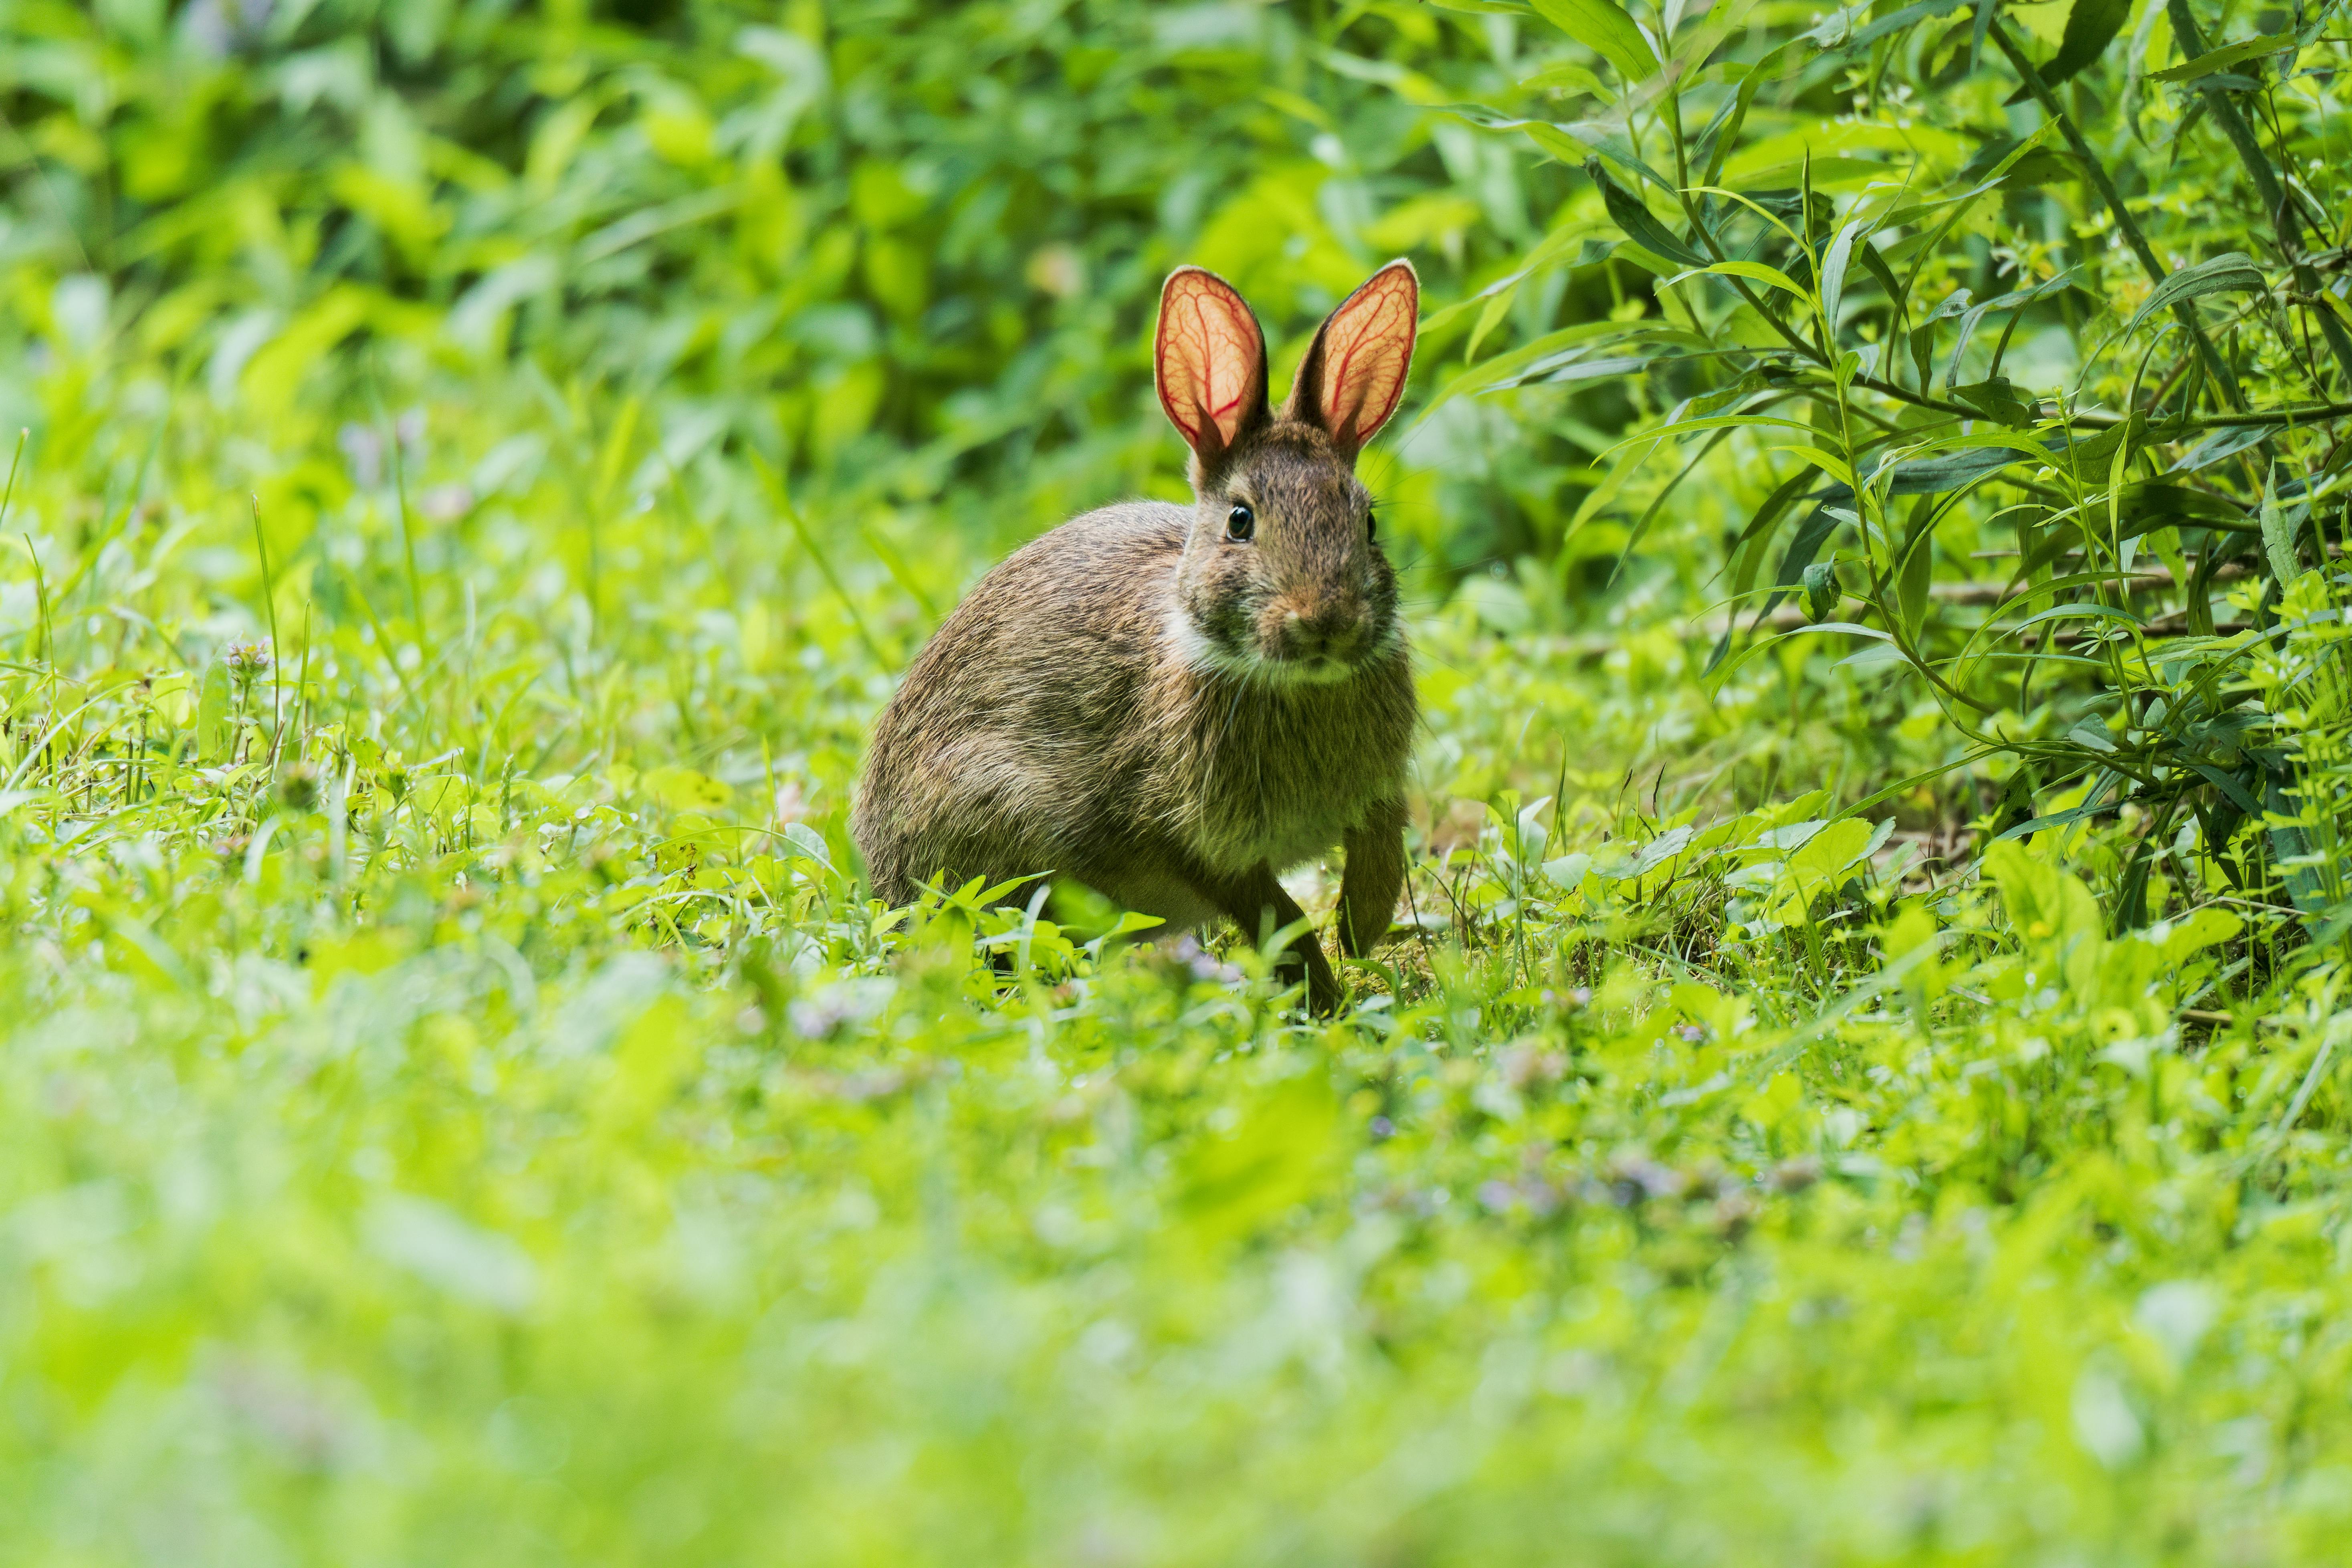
495	1128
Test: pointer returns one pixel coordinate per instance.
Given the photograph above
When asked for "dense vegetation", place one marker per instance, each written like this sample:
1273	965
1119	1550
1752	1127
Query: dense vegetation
1860	1072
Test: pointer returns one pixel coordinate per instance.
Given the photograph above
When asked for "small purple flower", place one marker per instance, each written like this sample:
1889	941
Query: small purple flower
247	660
1202	963
1383	1128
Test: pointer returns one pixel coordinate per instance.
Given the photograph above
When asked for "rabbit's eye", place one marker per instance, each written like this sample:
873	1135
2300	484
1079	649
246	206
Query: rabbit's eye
1240	522
1372	524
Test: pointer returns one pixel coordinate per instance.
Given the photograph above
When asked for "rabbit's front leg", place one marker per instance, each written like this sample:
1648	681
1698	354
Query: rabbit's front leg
1375	874
1257	902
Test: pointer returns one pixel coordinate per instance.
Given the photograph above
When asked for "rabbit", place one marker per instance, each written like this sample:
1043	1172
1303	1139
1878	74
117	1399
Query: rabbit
1174	704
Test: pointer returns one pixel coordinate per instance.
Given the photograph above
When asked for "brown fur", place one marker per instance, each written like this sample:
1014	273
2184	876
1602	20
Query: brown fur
1167	715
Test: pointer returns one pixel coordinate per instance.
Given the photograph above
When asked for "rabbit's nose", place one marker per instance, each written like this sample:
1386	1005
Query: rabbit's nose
1316	629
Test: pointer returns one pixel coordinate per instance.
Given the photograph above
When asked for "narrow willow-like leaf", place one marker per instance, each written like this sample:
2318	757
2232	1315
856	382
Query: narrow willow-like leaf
2278	532
1604	27
1640	224
2058	819
2231	273
2226	58
1834	265
2227	442
2091	26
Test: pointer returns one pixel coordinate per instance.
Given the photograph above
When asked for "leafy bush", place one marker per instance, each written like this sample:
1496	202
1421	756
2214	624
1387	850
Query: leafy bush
903	254
2158	415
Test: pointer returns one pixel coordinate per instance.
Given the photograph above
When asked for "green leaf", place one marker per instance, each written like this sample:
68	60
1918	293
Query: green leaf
1625	209
2058	819
1285	1144
1487	317
1605	27
2278	534
2224	59
683	789
1811	536
2233	788
1911	582
1569	142
1875	265
1822	591
2091	26
2233	272
1715	143
2226	442
1833	265
1829	854
2140	508
1996	399
1503	366
2193	932
1756	272
809	844
2293	850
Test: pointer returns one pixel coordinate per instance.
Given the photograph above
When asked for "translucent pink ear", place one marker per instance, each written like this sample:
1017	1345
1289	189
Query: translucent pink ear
1353	376
1209	359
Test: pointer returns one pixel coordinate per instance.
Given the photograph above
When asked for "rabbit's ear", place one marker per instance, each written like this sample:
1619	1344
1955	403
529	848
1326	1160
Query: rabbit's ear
1209	359
1353	375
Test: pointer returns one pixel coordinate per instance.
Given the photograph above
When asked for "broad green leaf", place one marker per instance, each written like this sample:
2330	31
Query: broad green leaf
809	843
683	789
1829	852
2193	933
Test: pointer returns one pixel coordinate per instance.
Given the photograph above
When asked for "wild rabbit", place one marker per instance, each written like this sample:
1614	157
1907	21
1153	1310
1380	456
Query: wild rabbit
1174	704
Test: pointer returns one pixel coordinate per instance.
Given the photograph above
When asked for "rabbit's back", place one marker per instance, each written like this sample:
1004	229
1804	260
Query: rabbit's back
1006	744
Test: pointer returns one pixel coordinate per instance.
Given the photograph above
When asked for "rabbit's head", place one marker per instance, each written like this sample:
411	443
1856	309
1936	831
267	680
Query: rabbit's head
1283	579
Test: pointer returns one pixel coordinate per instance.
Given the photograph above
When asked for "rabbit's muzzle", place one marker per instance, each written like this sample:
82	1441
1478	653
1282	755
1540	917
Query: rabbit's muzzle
1315	634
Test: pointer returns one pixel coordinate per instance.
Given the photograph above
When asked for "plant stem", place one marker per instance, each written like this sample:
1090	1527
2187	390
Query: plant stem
2225	111
2185	310
276	649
